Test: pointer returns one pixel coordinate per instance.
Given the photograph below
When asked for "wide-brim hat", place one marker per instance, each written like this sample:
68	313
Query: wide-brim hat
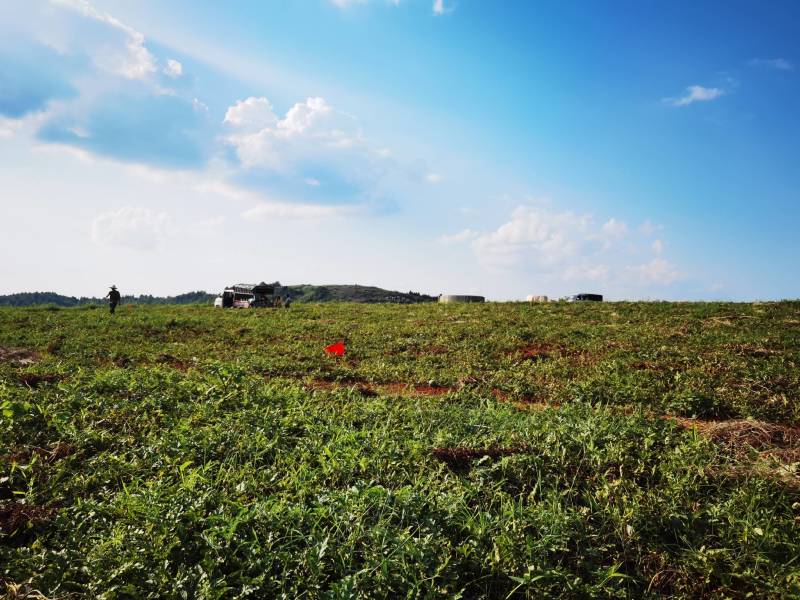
113	287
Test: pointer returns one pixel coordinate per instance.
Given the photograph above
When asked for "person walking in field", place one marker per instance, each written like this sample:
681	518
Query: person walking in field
113	298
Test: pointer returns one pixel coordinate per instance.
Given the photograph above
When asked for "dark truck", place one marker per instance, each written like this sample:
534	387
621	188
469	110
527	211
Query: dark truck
586	298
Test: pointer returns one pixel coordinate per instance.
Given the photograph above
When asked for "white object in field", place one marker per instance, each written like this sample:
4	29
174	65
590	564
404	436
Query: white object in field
446	299
533	298
218	302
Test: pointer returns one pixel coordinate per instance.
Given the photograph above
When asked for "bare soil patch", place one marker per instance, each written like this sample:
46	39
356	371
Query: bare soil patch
397	388
171	361
536	352
49	455
15	516
524	403
753	351
461	458
121	362
743	435
35	379
413	389
18	357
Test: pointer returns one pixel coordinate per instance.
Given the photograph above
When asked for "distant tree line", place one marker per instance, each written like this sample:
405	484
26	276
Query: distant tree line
35	298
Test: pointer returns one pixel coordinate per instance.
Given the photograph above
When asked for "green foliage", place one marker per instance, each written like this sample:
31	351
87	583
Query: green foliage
191	452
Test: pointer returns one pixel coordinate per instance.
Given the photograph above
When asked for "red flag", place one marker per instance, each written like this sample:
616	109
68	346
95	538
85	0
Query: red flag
337	349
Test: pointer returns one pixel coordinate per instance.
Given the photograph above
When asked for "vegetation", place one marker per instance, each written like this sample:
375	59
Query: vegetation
496	450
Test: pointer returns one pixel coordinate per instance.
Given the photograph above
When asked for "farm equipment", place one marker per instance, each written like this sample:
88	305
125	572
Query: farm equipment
252	295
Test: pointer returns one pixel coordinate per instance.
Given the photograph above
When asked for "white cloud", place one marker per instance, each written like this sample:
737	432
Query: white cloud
615	229
440	9
131	227
312	182
593	273
9	127
173	68
657	271
251	114
533	234
311	132
433	178
344	4
133	61
781	64
564	246
696	93
657	246
290	210
266	209
648	228
461	236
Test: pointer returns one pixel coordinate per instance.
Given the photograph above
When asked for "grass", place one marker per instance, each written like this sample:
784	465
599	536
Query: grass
498	450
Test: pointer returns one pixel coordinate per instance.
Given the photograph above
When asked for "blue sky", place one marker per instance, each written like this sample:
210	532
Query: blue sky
637	149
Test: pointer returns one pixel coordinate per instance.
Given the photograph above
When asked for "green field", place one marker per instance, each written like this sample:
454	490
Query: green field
497	450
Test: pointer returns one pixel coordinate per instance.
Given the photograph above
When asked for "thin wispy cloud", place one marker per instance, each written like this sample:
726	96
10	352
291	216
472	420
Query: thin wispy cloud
780	64
440	8
131	227
696	93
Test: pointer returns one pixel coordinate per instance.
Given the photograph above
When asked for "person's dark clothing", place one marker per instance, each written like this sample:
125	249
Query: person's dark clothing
113	299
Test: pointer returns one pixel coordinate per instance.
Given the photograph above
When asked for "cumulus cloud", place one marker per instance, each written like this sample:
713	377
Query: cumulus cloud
567	246
173	68
780	64
309	130
534	234
131	227
251	114
696	93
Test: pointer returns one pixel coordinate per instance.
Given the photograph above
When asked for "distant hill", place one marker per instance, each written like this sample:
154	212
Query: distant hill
355	293
299	293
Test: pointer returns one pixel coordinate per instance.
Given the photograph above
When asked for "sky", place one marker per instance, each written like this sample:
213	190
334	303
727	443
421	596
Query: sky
642	150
